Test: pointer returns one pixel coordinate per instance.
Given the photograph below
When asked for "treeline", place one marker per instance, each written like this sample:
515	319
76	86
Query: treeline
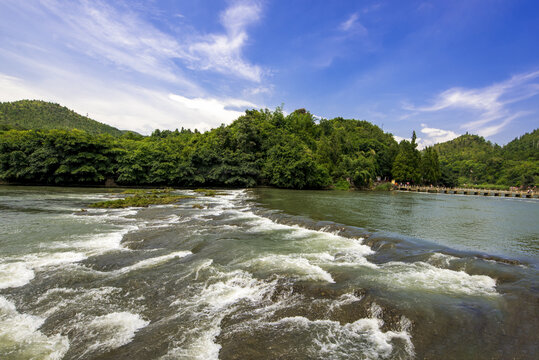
259	148
470	159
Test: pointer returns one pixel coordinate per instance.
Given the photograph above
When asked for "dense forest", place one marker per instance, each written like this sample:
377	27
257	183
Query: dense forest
42	115
261	147
470	159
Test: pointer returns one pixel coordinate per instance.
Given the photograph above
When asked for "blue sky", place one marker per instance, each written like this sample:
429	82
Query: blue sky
441	68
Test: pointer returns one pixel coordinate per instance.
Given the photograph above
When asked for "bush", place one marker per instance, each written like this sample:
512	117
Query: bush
342	184
384	187
141	200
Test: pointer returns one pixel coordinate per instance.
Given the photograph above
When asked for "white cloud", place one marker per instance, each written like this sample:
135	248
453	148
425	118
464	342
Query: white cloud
349	23
352	24
113	64
238	16
430	136
421	144
223	109
125	106
120	37
12	88
223	52
434	136
259	90
490	105
496	128
400	138
123	38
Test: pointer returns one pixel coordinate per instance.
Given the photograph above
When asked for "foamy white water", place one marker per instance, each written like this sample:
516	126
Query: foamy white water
113	330
230	280
20	337
424	276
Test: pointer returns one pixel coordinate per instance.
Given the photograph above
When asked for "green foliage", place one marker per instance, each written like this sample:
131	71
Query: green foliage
470	159
56	157
342	184
261	147
291	165
208	192
141	200
489	187
430	166
407	164
343	142
384	187
525	147
41	115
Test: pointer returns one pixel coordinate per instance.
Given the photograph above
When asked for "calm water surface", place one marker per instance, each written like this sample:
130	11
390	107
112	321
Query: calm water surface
268	274
502	226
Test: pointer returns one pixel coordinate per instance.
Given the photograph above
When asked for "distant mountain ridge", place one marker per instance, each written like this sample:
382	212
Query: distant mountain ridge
43	115
470	159
525	147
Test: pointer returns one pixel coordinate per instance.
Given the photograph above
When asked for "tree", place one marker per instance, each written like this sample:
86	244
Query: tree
290	165
406	167
430	166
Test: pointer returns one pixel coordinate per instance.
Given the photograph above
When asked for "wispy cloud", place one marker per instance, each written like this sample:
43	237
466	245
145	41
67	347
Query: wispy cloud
113	63
122	38
259	90
352	24
125	39
223	52
491	105
348	24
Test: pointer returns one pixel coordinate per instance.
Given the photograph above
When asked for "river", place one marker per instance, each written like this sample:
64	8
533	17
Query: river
268	274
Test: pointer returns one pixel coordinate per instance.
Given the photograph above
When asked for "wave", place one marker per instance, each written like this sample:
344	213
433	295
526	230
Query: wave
423	276
289	265
220	296
111	331
21	338
363	338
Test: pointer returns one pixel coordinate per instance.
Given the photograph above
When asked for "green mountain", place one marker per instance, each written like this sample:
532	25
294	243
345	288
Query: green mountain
470	159
525	147
42	115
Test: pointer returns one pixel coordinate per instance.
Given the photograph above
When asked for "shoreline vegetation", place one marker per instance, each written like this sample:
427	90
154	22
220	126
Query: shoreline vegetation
141	198
147	197
260	148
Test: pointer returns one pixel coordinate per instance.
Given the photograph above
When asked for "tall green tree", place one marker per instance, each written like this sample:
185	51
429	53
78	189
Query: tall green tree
406	166
430	166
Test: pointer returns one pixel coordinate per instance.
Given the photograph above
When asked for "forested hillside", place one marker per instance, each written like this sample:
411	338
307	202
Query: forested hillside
470	159
261	147
35	114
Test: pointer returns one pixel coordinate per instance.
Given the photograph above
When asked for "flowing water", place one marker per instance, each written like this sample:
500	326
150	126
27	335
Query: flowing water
268	274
